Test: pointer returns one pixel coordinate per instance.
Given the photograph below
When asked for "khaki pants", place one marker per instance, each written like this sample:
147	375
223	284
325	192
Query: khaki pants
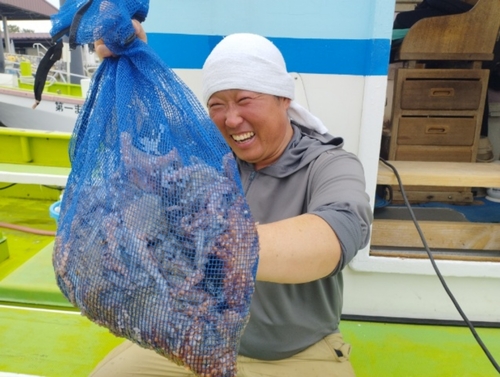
320	360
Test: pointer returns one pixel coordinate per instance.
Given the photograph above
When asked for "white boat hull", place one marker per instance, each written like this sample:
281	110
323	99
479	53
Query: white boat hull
53	113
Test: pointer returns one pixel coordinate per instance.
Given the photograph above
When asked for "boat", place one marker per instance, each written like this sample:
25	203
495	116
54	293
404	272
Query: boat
61	100
56	111
398	315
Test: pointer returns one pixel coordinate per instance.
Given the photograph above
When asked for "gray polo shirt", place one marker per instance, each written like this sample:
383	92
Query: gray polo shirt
314	175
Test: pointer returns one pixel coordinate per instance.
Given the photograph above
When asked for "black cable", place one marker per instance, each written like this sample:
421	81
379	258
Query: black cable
58	188
8	186
438	273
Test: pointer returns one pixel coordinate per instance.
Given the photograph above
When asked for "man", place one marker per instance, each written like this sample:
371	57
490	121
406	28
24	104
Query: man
307	195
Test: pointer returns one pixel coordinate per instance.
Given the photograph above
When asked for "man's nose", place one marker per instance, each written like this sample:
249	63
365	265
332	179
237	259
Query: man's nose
233	117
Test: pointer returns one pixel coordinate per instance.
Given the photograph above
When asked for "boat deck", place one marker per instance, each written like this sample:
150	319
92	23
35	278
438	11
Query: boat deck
41	335
61	344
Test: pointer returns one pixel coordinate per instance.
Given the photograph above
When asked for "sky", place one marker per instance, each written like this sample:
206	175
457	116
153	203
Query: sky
37	26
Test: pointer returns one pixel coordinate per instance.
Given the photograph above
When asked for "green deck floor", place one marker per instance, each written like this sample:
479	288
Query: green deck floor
402	350
40	332
33	283
37	340
29	213
51	344
55	344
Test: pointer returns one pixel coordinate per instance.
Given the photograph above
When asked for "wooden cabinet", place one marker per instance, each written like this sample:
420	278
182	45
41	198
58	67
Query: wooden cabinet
437	114
440	92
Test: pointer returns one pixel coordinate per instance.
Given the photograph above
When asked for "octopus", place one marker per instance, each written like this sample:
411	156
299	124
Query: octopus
163	253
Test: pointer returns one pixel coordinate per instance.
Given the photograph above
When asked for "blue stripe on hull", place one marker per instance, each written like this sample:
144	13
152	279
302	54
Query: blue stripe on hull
368	57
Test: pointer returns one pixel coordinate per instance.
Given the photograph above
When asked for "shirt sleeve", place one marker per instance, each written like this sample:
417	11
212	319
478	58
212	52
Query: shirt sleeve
337	193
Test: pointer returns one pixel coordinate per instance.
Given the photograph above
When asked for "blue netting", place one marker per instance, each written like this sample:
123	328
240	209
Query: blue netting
155	239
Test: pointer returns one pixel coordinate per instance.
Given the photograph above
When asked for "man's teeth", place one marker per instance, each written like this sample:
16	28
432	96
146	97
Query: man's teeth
243	137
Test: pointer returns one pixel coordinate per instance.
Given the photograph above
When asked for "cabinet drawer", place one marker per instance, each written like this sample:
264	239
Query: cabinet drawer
433	153
436	131
441	94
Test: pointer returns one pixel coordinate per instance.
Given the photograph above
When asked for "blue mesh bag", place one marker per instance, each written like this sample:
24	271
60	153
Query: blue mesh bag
155	239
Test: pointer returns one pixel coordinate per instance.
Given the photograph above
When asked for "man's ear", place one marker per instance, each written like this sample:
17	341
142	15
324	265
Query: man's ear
286	102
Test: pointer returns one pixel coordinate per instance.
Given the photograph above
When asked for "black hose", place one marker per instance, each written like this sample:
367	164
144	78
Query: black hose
438	273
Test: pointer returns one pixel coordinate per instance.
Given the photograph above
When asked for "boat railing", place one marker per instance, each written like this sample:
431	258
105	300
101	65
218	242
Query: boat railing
13	61
62	76
58	73
90	64
53	77
26	75
38	47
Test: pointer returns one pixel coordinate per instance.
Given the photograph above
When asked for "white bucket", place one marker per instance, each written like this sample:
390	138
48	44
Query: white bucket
493	194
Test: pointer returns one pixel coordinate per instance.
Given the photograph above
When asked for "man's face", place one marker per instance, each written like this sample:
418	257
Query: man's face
255	125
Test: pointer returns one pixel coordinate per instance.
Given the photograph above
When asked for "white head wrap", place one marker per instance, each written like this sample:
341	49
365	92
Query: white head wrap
251	62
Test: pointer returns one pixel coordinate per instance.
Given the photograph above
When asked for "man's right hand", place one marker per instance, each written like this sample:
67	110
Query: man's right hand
104	52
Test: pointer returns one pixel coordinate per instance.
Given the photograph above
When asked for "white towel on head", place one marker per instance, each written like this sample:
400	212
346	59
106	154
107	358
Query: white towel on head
305	118
251	62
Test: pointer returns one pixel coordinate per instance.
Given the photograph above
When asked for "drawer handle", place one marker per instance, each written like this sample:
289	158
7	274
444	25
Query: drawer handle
442	92
437	129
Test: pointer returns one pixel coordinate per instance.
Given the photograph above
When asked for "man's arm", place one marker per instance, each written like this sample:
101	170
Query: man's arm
297	250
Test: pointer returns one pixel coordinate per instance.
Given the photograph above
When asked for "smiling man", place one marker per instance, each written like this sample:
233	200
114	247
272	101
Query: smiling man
307	194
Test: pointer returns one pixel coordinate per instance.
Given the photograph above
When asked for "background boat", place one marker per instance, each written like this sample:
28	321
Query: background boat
61	103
